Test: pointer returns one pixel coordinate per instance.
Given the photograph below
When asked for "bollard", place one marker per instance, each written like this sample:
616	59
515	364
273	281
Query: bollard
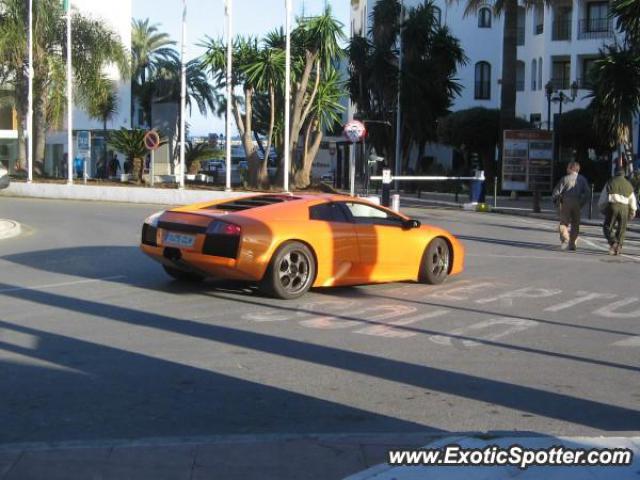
395	202
591	203
495	192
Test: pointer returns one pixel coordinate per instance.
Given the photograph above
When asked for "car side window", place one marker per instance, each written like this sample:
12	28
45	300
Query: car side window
370	215
328	212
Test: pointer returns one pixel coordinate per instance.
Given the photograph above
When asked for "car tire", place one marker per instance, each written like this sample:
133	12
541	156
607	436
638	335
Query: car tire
436	262
291	271
182	275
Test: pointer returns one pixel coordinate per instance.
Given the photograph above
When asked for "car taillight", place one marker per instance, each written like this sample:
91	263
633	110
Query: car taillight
223	228
222	239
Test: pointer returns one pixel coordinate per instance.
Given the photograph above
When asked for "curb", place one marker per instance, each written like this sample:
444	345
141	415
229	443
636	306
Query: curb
9	229
143	195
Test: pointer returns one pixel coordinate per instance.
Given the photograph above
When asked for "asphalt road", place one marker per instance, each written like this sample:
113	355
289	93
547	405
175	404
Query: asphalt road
97	343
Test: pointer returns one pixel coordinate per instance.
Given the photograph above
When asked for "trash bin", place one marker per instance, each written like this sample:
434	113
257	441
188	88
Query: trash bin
476	192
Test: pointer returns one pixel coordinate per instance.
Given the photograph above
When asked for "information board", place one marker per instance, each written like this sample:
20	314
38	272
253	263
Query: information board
527	160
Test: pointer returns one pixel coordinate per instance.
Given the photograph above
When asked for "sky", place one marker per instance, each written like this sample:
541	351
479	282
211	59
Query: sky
206	17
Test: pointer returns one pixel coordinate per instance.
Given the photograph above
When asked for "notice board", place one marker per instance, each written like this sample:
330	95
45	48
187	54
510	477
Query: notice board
527	160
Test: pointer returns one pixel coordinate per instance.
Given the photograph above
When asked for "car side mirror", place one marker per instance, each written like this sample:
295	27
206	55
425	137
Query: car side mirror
411	223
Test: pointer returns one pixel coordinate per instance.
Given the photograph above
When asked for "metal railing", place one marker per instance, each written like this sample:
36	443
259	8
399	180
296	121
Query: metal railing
562	83
584	83
561	30
520	37
594	28
539	29
519	85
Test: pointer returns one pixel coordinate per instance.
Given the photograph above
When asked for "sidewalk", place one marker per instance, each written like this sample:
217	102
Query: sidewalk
507	205
283	457
9	229
386	472
232	457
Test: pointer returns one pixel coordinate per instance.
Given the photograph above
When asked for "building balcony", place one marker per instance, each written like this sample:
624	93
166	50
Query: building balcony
539	29
594	28
584	83
520	37
519	85
561	30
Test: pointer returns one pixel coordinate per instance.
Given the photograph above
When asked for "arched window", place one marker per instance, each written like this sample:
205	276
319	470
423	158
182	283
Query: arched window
483	81
437	14
520	76
484	18
534	74
540	73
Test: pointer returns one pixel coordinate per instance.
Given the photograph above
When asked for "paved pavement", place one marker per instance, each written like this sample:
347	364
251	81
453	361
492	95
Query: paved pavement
100	350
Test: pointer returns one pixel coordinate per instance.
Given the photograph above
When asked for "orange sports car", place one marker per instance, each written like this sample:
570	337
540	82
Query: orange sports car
288	243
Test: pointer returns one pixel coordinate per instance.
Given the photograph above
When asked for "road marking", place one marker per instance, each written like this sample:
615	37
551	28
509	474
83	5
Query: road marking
62	284
609	311
527	292
606	249
629	342
583	297
390	330
385	312
450	294
514	325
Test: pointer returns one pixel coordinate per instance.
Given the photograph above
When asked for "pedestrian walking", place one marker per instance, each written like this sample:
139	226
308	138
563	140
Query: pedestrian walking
618	204
570	195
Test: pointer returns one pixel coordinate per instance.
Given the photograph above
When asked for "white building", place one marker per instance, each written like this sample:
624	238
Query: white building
555	44
116	14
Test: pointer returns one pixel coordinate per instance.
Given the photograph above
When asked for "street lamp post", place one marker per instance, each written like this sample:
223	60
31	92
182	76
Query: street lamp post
183	91
548	88
69	97
228	10
30	100
398	107
287	94
561	99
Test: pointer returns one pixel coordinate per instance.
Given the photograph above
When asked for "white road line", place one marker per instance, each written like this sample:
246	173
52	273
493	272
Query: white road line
628	342
534	257
62	284
605	249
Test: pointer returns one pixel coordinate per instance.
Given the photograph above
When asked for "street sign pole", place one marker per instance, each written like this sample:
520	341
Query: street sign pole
354	131
152	172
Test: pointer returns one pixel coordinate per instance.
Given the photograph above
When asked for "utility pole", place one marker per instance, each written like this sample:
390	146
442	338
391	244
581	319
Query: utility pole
67	4
287	95
398	107
183	91
30	100
228	10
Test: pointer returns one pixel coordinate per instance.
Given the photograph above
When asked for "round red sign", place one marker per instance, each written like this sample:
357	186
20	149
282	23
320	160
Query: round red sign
354	131
151	140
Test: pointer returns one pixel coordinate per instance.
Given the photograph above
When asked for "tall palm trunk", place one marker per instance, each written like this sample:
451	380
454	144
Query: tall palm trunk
40	134
263	174
509	63
21	108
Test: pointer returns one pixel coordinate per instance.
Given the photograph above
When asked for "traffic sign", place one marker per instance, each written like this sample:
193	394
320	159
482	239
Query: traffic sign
151	140
354	131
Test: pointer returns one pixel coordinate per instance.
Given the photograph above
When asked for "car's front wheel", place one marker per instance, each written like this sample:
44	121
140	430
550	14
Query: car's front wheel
182	275
436	262
291	271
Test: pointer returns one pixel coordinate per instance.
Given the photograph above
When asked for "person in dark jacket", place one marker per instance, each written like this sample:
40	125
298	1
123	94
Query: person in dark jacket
571	194
618	204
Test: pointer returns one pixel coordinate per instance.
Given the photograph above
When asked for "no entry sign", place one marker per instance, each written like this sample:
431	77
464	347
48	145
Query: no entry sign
354	131
151	140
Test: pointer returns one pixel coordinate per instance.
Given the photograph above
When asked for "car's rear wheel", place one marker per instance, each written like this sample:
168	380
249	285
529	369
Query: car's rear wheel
182	275
291	271
436	262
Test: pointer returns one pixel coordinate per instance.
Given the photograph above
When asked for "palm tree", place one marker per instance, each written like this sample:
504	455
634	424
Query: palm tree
103	105
324	114
95	46
431	56
194	152
616	93
131	144
627	13
245	53
149	48
267	74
